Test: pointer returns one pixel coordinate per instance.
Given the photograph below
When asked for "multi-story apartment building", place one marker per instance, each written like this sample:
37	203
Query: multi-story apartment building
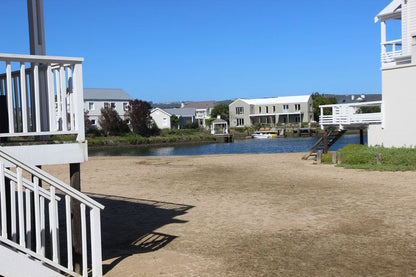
288	109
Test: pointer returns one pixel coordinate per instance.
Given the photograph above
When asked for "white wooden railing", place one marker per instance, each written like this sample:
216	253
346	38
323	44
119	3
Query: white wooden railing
44	95
395	51
345	115
44	242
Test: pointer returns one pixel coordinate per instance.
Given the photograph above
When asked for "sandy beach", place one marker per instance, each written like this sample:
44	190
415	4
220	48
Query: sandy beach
250	215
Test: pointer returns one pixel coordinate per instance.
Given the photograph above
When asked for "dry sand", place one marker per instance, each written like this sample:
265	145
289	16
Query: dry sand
250	215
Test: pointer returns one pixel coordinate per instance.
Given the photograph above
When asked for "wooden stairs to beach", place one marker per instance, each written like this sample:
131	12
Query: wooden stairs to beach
331	137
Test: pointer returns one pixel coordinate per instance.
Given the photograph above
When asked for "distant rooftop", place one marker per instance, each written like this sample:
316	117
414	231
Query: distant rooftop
199	104
278	100
354	98
106	94
184	112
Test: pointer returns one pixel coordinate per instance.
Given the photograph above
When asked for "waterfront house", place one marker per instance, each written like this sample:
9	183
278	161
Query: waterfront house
97	98
162	117
43	221
286	109
392	125
202	110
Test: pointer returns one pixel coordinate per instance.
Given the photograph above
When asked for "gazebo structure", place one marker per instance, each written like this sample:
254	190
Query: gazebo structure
219	126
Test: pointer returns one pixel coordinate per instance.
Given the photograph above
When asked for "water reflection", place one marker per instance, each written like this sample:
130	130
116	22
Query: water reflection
252	146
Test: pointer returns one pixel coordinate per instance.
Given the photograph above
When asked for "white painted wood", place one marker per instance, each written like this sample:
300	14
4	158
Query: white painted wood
79	101
42	225
28	220
20	207
37	215
37	96
40	59
58	98
68	232
71	98
13	216
53	225
52	103
9	97
51	153
63	99
58	247
3	202
96	259
23	95
84	241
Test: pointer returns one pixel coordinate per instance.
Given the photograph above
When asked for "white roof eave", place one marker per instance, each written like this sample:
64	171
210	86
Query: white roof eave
392	11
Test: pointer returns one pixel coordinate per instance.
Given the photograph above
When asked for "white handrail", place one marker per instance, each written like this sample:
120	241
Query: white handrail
24	234
47	84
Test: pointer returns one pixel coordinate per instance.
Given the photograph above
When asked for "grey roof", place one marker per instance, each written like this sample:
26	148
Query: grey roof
199	104
183	112
354	98
106	94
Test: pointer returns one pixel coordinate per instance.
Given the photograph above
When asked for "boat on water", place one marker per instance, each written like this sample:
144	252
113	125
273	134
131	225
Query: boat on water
264	136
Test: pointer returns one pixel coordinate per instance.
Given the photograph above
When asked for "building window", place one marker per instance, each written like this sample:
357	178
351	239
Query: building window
106	105
240	121
267	109
297	107
113	105
93	121
286	108
259	109
297	119
239	110
125	106
91	106
274	109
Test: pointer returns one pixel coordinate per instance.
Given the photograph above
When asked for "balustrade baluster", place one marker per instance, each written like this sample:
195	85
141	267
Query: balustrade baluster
68	231
20	207
84	241
3	201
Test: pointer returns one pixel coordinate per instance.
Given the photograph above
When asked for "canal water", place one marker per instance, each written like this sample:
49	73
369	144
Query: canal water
250	146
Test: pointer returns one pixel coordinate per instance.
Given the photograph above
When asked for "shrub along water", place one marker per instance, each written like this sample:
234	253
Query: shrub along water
376	158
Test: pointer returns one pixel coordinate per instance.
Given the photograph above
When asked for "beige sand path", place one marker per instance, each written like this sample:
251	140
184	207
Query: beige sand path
251	215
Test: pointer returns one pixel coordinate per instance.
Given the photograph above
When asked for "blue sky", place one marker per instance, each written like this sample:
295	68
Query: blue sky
172	50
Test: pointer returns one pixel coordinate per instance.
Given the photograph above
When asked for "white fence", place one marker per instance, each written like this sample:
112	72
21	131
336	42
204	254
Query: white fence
43	95
390	50
43	242
345	115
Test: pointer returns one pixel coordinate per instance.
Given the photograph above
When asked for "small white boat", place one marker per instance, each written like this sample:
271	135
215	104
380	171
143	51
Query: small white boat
262	136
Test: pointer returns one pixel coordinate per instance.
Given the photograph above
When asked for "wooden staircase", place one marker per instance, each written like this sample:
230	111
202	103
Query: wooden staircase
332	136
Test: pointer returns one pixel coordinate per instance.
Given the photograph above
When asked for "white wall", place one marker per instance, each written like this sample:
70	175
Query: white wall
98	105
399	101
161	119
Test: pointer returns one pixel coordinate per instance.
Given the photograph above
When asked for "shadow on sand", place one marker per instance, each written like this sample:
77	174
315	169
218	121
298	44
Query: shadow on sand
129	224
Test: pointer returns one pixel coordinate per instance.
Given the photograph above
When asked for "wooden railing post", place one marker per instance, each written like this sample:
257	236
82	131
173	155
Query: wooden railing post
75	179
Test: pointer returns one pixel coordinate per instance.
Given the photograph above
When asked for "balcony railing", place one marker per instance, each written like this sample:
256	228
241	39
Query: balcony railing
41	95
390	50
351	115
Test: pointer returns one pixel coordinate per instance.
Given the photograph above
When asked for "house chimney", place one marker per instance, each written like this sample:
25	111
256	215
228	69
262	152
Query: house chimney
363	96
218	116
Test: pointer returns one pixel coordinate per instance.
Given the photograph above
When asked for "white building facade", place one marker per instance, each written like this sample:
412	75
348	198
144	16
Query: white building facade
288	109
97	98
398	78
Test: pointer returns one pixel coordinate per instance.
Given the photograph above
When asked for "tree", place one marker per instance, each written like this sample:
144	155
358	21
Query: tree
174	121
221	110
87	121
140	120
111	123
318	100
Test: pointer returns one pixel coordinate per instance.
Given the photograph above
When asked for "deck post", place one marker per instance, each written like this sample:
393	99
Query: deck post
38	47
325	141
361	136
75	182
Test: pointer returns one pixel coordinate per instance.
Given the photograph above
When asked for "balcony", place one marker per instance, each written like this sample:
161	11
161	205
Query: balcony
350	116
41	96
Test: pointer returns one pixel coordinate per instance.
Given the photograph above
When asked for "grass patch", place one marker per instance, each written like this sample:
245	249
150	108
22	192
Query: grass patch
365	157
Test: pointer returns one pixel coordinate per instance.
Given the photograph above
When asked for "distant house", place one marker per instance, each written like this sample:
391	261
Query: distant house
354	98
288	109
97	98
203	110
162	117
